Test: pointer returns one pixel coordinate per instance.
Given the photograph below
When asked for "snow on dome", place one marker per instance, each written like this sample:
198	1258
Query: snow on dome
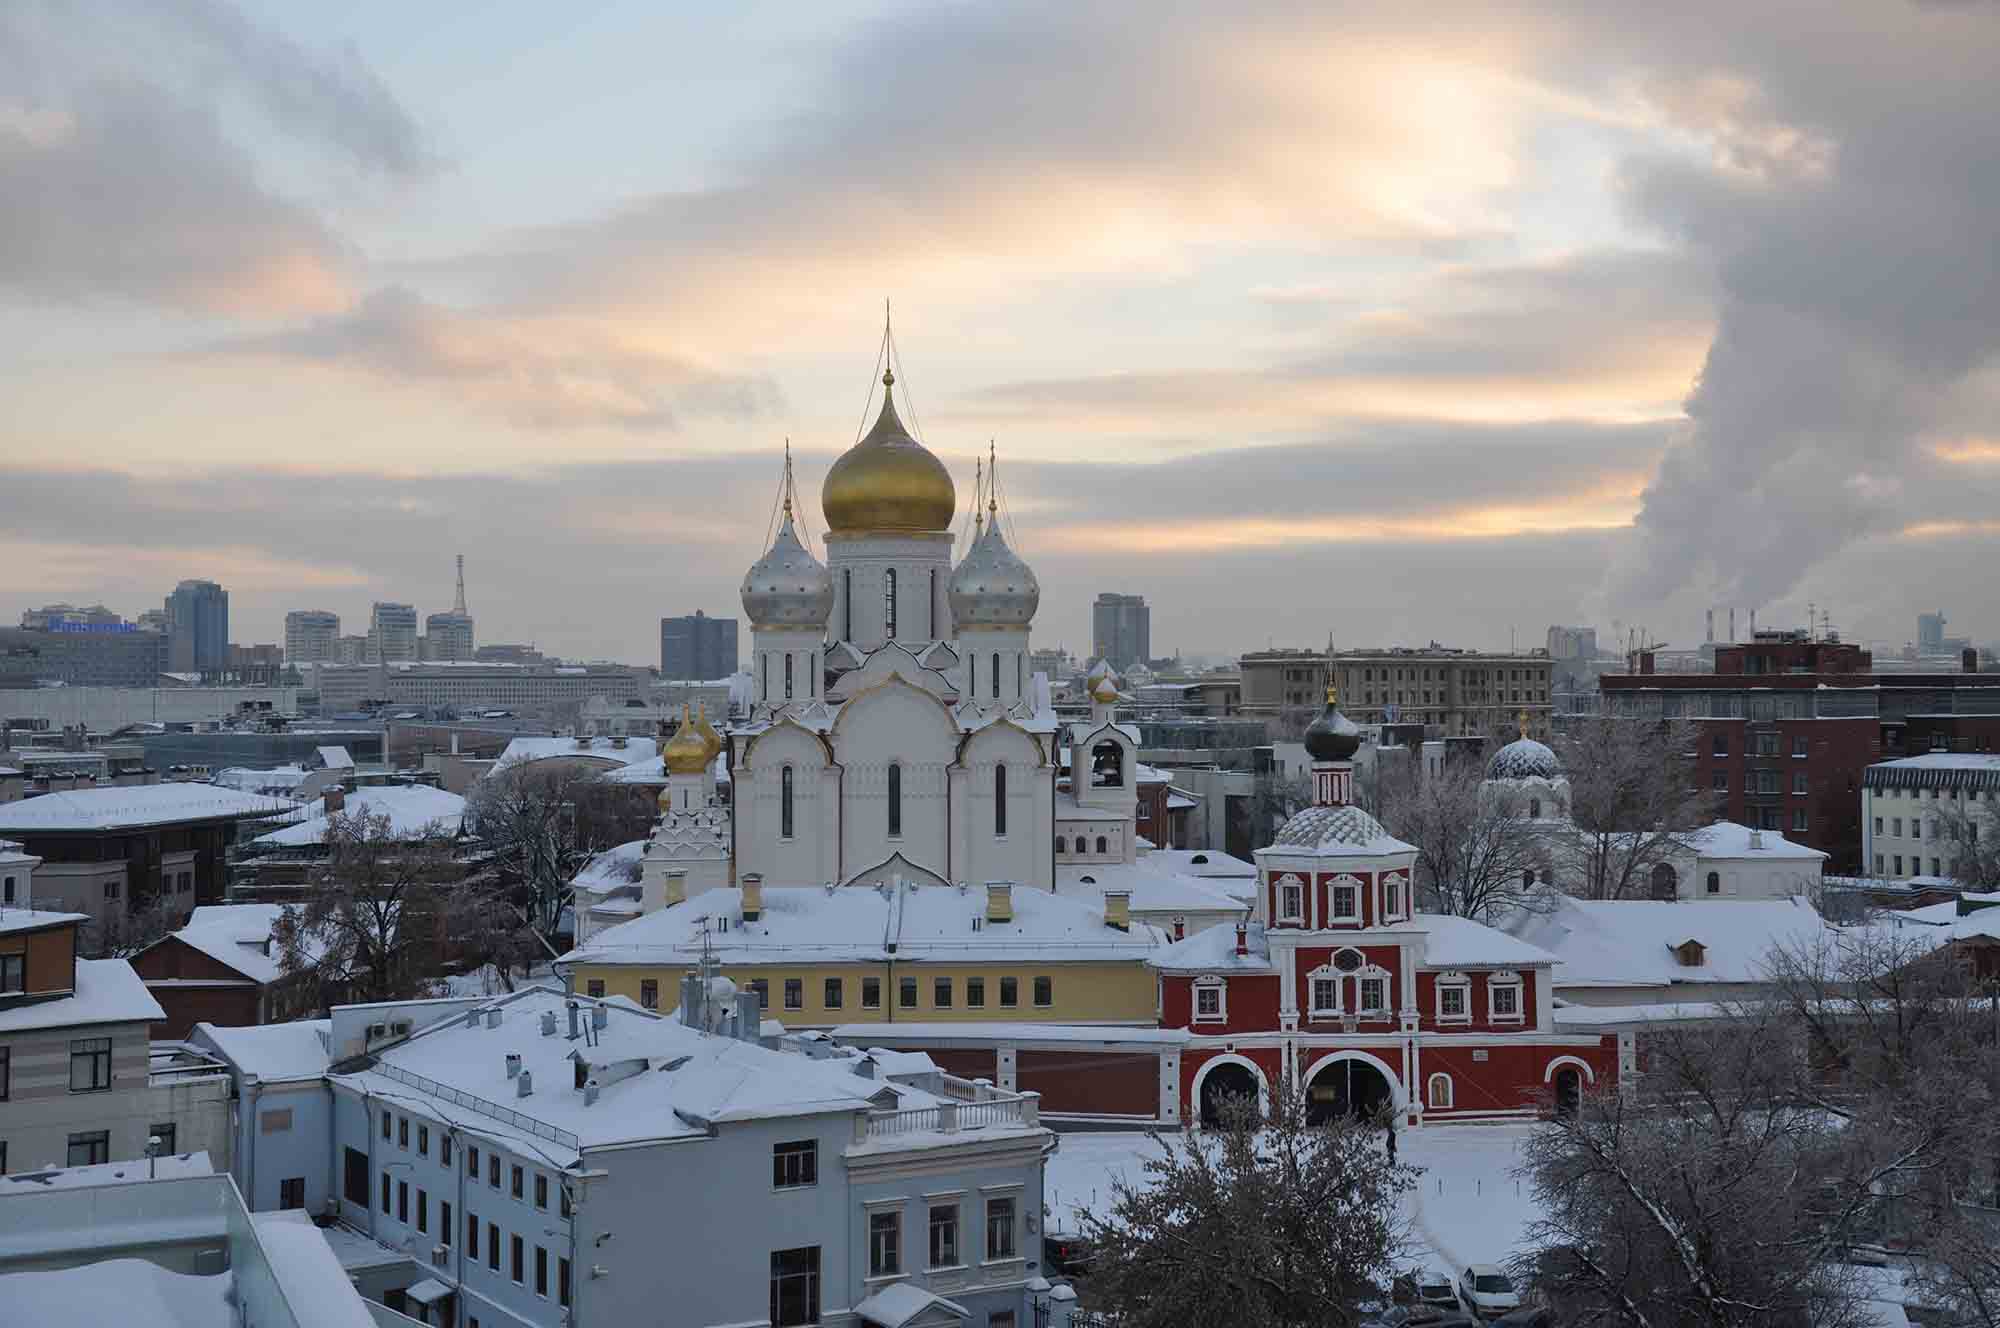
1343	831
1524	758
787	587
993	586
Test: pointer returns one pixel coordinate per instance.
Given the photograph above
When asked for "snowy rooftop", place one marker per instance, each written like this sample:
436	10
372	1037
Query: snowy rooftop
412	809
1152	891
1449	942
1944	761
1630	942
106	1173
236	935
689	1078
272	1052
135	806
613	869
654	772
1727	839
246	780
1335	832
107	992
934	923
29	919
621	751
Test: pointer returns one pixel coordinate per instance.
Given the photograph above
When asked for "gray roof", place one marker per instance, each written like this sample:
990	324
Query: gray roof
1524	758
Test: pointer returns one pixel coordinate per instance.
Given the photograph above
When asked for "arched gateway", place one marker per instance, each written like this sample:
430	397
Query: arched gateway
1348	1088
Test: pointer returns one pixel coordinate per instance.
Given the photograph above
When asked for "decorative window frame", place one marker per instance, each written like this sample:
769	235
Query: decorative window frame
1324	973
1291	881
1509	980
1220	986
1375	973
1453	980
1347	989
1395	894
1431	1094
1344	881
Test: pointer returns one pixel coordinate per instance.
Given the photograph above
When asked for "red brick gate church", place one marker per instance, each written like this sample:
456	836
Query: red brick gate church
1337	984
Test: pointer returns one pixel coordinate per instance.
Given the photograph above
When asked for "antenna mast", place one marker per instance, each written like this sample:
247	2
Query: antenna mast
458	605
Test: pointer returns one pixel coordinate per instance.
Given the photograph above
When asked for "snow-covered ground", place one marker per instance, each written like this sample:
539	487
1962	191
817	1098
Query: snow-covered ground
1468	1206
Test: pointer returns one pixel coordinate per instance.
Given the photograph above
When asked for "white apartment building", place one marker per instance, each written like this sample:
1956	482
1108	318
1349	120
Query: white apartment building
558	1162
1908	806
311	635
392	632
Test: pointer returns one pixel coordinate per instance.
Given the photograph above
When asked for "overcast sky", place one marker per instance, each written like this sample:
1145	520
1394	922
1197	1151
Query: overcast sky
1398	322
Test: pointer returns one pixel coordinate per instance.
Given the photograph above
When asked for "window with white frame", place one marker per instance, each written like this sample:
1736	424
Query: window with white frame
1343	901
1291	898
1211	999
1374	995
1437	1092
1395	902
1325	990
1503	997
1454	998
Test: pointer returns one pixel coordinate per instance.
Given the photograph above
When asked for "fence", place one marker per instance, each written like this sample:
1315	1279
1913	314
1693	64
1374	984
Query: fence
481	1105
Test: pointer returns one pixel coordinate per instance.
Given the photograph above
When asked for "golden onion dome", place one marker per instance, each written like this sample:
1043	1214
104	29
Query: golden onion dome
888	481
709	737
686	753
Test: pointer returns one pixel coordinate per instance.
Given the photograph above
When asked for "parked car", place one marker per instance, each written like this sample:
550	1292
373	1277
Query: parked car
1419	1316
1425	1286
1487	1291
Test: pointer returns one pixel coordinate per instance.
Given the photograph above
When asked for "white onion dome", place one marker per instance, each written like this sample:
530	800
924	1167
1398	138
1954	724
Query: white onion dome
788	587
992	586
1333	736
1524	758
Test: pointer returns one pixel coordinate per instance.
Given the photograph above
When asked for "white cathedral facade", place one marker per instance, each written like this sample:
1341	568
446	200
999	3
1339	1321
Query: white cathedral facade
896	729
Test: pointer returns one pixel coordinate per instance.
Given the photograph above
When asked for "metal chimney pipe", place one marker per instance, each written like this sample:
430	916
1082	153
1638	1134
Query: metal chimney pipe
573	1034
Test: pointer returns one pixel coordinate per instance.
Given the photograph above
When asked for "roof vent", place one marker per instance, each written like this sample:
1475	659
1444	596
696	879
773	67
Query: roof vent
1200	859
513	1064
599	1017
676	1063
493	1019
548	1023
524	1083
472	1018
590	1093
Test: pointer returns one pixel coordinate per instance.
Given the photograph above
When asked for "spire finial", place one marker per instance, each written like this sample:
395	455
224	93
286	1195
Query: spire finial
788	478
888	347
1522	720
1332	694
992	480
978	488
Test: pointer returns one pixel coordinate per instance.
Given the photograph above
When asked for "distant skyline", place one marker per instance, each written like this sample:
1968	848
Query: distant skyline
1405	323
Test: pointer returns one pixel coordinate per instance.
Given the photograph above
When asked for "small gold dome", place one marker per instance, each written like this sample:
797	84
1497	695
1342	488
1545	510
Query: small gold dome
887	481
1104	693
686	753
709	736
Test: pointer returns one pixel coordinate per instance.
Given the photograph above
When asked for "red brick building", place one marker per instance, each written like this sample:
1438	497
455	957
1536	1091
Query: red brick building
223	968
1339	986
1789	724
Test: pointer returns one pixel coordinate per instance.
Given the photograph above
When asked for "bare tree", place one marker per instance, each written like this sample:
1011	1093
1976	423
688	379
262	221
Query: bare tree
1854	1105
1479	853
1260	1223
539	824
369	930
1633	804
1973	829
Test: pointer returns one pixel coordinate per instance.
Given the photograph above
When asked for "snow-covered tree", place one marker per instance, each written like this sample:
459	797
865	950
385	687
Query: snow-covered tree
1633	804
1478	852
1257	1224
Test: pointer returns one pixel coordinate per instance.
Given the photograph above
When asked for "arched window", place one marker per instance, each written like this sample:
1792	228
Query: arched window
1437	1093
1101	845
1534	814
1527	878
1715	883
889	604
1060	845
788	675
1666	882
847	602
996	675
785	802
1107	765
895	800
999	799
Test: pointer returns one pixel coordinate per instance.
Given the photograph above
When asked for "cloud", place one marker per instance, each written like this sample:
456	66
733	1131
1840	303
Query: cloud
126	157
541	371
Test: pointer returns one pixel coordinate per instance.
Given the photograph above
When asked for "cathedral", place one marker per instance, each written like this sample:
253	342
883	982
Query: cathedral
896	731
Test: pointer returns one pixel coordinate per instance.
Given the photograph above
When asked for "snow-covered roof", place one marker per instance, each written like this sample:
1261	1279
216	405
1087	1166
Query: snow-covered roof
334	758
1944	761
315	1286
171	1167
1214	951
976	1031
1630	942
412	809
125	1290
237	936
1727	839
692	1078
1449	942
925	923
136	805
1203	862
654	772
901	1303
1152	891
1524	758
617	751
29	919
246	780
612	869
107	992
272	1053
1335	832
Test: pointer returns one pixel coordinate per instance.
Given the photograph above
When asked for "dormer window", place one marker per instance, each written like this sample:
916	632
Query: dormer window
1291	899
1691	953
1503	998
1454	998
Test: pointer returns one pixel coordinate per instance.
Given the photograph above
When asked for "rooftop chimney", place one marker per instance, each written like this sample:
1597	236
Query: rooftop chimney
493	1019
1180	929
999	901
753	896
513	1063
1118	909
599	1017
548	1023
749	1016
524	1084
571	1006
335	800
1242	940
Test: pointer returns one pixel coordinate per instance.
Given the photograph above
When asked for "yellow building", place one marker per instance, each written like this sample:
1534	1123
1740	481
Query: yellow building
906	953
